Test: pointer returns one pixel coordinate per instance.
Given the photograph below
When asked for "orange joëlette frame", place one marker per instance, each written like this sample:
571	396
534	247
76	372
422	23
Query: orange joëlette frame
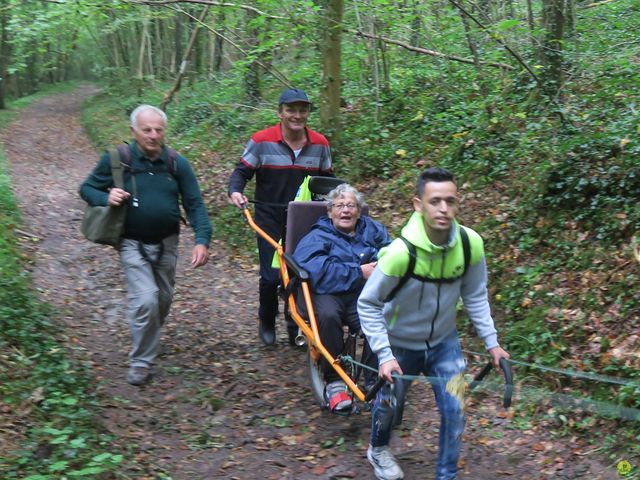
310	331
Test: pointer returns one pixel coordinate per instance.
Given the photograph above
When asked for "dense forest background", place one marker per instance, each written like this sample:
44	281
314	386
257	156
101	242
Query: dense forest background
532	103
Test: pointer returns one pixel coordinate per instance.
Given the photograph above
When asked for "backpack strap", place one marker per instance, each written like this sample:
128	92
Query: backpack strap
172	162
116	167
407	274
172	156
120	158
125	154
466	249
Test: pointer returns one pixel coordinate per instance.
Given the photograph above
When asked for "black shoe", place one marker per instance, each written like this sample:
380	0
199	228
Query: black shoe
267	331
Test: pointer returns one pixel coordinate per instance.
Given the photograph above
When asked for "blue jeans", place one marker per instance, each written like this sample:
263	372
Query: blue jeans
441	364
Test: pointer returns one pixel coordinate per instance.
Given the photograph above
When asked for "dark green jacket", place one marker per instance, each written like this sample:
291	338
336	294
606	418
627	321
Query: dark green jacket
158	193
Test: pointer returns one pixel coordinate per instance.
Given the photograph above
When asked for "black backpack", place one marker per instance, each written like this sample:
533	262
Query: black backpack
466	250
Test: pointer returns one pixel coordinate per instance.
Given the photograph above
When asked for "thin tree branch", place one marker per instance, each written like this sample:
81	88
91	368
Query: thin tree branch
624	44
513	53
26	234
425	51
276	74
595	4
183	66
210	3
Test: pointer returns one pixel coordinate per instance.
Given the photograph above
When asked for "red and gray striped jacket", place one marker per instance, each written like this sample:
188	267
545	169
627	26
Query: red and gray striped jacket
278	172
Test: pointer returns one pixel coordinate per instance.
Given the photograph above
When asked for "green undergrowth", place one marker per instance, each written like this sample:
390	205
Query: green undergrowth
47	427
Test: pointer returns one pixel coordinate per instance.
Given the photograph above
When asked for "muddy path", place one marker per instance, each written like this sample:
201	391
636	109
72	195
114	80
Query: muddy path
220	404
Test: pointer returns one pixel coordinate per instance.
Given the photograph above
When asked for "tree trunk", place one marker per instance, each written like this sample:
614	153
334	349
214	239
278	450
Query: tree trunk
473	48
532	24
178	42
141	52
5	51
150	55
183	65
485	9
416	25
554	22
160	58
375	70
331	59
219	43
570	16
252	71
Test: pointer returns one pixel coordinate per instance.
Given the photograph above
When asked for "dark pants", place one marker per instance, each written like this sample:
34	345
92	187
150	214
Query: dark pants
268	286
332	312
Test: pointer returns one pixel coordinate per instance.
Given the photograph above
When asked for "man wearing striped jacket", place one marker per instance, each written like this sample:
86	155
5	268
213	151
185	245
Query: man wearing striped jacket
280	157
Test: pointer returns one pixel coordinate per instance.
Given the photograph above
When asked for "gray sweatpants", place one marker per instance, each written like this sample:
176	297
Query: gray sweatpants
149	294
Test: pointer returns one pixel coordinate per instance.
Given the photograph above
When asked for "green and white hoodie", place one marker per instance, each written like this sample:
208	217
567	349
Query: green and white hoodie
423	311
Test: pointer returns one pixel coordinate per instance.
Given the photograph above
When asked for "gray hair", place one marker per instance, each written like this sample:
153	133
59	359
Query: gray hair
143	108
339	191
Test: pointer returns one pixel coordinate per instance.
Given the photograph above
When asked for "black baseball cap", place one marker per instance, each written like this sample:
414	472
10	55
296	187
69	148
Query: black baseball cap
293	95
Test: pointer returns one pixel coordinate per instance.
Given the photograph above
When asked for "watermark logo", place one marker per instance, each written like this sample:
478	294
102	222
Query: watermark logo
624	467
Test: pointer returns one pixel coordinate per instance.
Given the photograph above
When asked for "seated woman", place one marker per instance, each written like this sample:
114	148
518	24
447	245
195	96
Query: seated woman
339	253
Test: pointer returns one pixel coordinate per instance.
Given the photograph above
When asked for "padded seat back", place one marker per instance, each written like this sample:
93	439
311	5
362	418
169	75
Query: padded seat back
300	218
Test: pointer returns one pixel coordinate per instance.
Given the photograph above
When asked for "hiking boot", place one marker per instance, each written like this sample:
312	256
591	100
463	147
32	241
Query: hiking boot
337	396
385	465
138	375
267	331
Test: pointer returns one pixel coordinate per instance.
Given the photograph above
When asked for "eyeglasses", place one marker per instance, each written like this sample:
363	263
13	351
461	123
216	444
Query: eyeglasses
342	206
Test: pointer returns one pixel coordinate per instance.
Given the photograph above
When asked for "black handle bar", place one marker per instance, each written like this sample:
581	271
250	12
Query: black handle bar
508	380
398	392
373	392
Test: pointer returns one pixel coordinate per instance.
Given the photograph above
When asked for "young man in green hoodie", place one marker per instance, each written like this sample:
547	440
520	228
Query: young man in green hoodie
412	329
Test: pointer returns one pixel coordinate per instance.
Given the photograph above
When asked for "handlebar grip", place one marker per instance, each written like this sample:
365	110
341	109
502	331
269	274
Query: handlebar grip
508	382
505	366
480	376
374	391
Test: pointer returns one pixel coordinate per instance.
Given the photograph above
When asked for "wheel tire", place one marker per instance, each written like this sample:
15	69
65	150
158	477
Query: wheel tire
318	384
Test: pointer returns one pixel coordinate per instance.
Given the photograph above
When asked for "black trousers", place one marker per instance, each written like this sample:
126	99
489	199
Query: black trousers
332	312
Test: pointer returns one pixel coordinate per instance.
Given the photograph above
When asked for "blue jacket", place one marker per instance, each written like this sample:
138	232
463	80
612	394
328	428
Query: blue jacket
333	258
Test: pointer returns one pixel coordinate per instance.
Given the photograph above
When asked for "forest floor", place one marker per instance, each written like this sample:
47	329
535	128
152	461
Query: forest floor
220	404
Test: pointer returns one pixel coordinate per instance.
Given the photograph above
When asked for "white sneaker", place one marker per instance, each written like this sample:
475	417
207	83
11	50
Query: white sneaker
385	465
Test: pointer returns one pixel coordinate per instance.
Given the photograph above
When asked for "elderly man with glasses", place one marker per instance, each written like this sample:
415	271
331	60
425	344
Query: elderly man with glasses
340	253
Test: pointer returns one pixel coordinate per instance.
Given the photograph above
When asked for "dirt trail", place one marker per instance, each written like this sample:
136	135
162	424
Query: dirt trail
221	405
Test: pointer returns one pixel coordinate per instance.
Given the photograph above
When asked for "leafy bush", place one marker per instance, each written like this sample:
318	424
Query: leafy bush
55	434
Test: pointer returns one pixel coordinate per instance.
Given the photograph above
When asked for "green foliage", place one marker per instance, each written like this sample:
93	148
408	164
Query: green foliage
58	437
586	191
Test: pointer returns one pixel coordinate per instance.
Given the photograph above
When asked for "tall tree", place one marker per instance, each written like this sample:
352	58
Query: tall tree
5	50
219	43
331	69
183	65
252	70
553	20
